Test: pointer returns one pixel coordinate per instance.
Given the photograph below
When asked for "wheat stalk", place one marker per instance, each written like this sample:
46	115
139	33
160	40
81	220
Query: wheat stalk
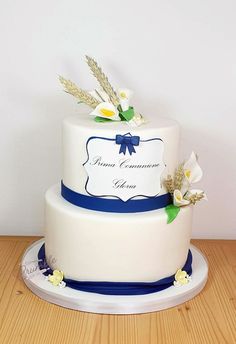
178	177
196	197
103	80
78	93
169	184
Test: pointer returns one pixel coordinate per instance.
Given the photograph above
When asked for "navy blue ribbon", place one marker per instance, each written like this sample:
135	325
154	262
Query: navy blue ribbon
127	142
115	205
116	288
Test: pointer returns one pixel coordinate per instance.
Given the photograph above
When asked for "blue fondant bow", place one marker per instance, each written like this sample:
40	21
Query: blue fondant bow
127	141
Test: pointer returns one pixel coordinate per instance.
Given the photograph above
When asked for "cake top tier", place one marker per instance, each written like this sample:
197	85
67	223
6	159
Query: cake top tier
114	161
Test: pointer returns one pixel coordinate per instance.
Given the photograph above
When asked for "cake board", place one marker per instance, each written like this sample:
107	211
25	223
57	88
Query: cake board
111	304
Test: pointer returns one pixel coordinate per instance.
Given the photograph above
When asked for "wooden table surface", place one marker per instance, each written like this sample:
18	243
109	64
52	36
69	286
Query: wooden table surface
208	318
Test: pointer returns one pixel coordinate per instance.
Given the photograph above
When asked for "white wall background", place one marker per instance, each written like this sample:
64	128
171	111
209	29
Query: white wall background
178	56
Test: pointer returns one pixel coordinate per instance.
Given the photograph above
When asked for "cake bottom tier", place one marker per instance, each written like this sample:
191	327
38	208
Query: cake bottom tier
95	246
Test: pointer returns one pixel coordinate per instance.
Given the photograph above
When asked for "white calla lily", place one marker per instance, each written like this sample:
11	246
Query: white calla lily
124	95
179	199
100	95
192	170
106	110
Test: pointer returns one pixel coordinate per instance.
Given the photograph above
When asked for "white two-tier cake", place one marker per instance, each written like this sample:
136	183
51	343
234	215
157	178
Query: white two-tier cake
119	223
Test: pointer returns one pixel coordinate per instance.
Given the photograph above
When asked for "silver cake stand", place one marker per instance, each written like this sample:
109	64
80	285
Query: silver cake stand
109	304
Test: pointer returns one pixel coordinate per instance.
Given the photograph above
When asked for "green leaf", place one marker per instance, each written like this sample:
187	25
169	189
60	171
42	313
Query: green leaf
128	114
172	211
101	119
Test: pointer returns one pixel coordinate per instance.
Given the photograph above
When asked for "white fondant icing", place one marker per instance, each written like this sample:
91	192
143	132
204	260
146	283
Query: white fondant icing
78	129
97	246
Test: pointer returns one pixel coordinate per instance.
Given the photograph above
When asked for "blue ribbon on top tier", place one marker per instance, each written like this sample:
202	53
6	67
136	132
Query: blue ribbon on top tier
112	205
127	141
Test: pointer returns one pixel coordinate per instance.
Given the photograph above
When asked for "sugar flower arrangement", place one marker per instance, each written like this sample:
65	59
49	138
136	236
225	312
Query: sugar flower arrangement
179	186
107	104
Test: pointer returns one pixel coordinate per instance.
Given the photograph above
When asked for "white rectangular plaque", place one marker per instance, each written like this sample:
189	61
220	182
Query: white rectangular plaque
124	166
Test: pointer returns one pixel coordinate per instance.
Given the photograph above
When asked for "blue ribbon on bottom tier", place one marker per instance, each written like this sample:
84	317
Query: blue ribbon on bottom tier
115	288
115	205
